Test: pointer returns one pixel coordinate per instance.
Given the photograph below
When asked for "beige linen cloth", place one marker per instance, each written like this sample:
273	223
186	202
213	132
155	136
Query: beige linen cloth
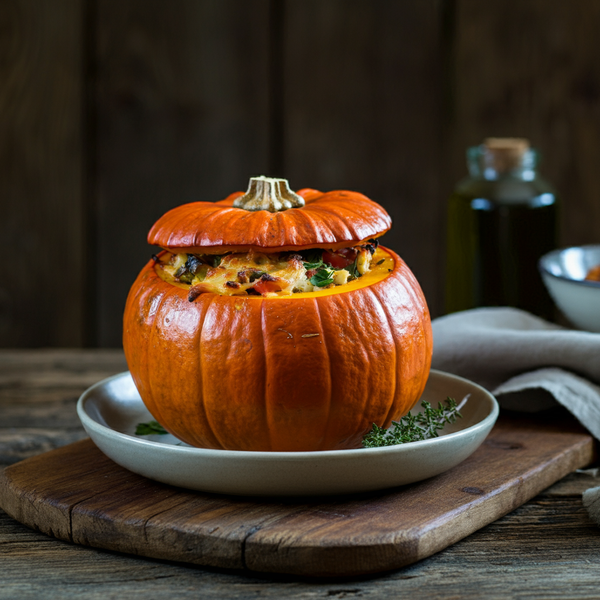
527	363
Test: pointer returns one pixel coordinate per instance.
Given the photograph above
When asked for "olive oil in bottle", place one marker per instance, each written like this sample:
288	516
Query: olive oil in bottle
501	220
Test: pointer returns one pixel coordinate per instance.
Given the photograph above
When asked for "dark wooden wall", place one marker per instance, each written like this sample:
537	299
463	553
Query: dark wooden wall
112	112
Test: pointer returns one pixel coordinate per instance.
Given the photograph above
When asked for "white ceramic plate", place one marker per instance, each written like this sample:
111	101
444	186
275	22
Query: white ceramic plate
111	409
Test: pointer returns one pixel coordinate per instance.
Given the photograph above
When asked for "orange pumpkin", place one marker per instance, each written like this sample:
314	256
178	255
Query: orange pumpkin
309	371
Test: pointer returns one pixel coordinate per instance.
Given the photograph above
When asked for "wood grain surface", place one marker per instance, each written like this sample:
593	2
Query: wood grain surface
547	548
363	111
182	115
78	495
42	171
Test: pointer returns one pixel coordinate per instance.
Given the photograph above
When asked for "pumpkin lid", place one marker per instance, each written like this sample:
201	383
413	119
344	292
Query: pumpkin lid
271	217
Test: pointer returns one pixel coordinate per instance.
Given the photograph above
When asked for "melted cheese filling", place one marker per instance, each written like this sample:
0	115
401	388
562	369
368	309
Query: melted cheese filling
267	275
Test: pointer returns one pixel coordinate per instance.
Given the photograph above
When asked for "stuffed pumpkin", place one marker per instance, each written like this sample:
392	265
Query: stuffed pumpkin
274	321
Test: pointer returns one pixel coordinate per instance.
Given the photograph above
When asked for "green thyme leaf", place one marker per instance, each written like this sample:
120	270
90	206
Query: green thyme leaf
150	428
353	270
413	428
322	277
312	259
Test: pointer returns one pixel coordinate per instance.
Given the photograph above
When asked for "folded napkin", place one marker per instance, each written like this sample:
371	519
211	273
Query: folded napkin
527	363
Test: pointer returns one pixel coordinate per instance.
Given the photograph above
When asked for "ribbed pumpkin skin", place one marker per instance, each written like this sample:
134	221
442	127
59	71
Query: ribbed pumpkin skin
329	220
236	372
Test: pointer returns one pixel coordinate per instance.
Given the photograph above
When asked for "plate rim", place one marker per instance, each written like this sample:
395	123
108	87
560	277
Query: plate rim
89	423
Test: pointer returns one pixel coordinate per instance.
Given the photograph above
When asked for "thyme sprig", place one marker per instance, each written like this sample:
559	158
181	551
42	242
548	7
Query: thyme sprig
413	428
150	428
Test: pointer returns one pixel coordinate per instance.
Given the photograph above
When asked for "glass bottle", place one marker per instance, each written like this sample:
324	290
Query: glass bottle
501	220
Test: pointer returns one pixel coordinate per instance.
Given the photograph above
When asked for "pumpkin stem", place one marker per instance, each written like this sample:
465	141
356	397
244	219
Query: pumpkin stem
267	193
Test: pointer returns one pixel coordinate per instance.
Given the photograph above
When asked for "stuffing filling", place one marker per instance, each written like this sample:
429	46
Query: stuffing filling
278	274
593	274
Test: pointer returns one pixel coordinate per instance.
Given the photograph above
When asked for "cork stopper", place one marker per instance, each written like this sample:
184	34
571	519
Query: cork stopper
505	154
268	193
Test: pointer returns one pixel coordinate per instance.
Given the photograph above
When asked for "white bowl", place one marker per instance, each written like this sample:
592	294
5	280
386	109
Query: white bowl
111	409
563	272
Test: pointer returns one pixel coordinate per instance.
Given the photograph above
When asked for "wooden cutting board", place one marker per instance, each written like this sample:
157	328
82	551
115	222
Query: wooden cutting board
77	494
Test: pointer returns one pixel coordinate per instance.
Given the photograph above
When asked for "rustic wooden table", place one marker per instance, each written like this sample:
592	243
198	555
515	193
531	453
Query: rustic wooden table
548	548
